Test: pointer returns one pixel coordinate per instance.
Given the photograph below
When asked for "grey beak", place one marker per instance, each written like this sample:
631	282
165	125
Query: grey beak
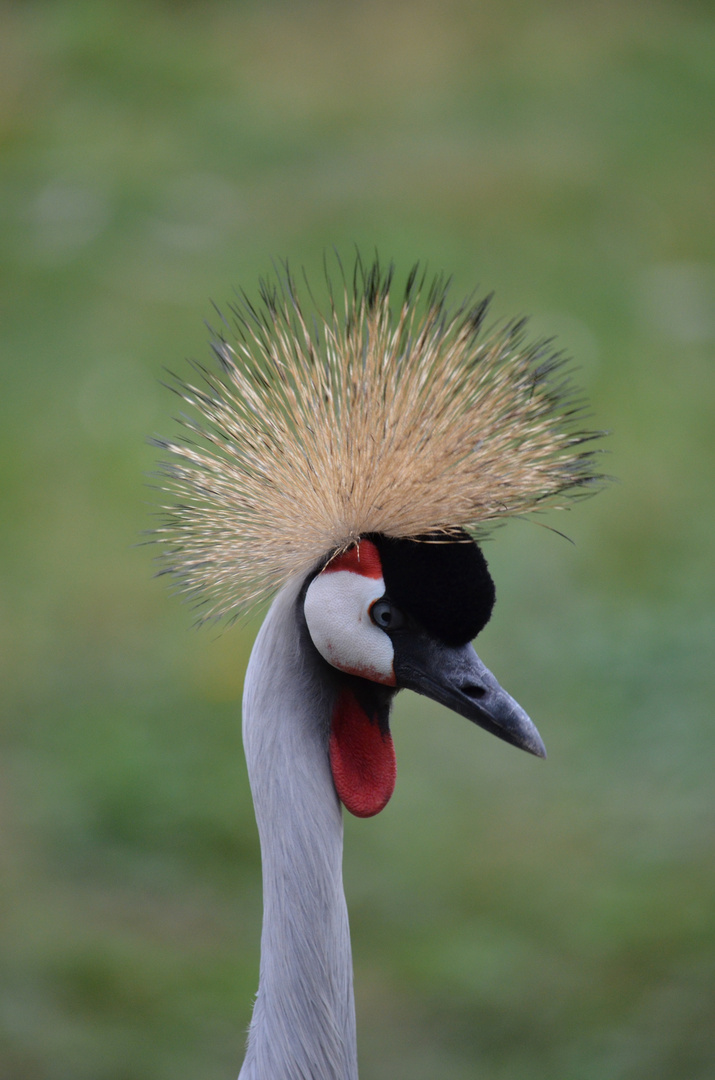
457	678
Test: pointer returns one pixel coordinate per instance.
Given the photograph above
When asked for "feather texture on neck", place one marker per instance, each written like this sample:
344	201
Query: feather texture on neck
303	1025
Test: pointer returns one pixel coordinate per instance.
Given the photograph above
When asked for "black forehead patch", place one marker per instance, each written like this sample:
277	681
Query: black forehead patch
445	586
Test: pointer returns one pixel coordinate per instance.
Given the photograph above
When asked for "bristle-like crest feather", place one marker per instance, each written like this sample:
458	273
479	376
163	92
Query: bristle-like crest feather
362	419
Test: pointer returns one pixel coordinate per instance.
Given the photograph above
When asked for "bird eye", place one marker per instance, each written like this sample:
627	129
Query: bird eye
384	615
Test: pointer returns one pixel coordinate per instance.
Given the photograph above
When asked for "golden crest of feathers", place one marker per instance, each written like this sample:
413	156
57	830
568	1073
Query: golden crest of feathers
322	426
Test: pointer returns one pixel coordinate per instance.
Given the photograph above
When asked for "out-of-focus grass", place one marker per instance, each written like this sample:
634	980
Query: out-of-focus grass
510	918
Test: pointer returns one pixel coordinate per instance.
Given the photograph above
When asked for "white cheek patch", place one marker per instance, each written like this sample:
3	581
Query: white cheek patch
337	611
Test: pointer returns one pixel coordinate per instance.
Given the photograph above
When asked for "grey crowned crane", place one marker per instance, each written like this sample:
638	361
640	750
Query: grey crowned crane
344	461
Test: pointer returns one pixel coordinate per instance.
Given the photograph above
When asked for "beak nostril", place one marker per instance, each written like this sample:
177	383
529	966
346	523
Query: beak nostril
473	691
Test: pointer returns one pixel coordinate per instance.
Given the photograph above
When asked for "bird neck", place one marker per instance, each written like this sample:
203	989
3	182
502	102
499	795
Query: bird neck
304	1017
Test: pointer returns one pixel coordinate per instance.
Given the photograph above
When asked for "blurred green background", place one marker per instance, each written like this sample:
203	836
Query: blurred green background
511	918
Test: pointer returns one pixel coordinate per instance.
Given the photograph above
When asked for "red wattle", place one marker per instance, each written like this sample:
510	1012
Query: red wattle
362	758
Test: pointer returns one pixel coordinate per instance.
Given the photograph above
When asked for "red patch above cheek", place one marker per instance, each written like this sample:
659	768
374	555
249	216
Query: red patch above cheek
362	758
363	558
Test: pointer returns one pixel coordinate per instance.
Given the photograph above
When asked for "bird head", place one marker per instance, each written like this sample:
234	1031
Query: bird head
360	449
402	614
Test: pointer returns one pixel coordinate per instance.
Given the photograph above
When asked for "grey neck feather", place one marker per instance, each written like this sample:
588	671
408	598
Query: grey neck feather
303	1025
